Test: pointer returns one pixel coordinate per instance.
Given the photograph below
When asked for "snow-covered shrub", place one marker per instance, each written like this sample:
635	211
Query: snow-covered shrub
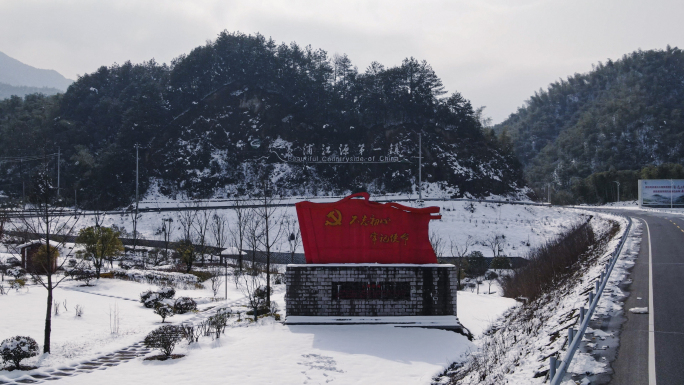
279	279
85	275
218	322
191	332
17	284
164	310
152	300
216	279
159	278
470	208
167	292
164	338
126	265
274	308
13	261
17	348
145	295
16	272
184	305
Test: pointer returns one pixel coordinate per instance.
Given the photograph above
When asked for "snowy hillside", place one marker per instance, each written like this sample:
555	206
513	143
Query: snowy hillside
241	110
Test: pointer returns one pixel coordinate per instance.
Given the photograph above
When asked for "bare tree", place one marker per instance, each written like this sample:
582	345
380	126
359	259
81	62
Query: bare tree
459	253
496	244
185	249
238	232
254	230
293	234
99	217
3	220
201	226
186	221
252	287
269	215
220	231
437	243
54	224
216	279
135	217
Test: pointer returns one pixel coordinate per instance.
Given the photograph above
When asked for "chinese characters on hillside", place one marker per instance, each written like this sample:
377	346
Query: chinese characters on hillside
343	153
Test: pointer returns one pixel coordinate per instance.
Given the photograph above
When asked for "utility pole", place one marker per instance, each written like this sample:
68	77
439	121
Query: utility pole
59	157
135	222
618	186
136	178
548	190
420	168
671	188
23	184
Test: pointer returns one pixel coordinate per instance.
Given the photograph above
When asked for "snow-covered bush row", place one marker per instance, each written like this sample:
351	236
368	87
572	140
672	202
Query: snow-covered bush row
516	349
159	278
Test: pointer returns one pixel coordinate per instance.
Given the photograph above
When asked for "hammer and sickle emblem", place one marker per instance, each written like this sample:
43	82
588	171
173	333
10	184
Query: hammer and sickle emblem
335	217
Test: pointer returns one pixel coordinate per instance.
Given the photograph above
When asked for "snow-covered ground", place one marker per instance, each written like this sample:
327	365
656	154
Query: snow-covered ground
270	352
518	350
78	338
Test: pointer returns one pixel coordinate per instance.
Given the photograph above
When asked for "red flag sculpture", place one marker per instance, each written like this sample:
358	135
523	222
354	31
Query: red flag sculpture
361	231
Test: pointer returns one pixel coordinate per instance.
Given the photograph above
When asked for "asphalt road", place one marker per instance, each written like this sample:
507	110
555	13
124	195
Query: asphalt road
667	247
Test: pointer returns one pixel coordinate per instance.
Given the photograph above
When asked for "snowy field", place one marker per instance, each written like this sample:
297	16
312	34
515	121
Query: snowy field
270	352
524	227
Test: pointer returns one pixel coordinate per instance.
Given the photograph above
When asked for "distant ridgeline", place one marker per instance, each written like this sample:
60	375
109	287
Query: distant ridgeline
623	115
218	119
7	91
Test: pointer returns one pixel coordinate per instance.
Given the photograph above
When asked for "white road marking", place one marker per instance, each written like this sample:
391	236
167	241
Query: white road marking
651	322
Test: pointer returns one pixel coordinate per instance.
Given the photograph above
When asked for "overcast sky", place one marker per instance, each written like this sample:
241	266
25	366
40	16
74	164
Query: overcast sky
495	52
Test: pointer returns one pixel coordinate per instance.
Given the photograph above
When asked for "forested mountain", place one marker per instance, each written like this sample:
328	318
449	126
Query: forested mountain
216	120
17	74
623	115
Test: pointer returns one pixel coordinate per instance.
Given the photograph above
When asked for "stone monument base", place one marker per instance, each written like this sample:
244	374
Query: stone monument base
404	295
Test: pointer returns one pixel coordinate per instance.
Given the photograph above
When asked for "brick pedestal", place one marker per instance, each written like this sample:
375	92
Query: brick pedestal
375	290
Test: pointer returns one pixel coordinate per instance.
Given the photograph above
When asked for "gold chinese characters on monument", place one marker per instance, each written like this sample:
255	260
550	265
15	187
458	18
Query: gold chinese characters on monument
334	218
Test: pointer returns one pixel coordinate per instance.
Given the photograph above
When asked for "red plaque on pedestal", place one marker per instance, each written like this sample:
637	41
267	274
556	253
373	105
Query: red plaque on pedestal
355	230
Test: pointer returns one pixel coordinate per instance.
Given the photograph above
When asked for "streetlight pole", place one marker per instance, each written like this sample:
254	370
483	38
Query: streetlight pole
618	187
671	188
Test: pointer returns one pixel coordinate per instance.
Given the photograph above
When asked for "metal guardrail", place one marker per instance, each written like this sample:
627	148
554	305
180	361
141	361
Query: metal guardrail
558	369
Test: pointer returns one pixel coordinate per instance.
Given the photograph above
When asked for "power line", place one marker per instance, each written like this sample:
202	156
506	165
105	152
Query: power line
16	159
